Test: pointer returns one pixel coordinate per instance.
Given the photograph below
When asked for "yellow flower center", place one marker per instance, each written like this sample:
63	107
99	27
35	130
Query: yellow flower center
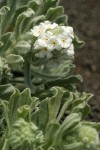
63	40
45	49
46	39
39	31
54	43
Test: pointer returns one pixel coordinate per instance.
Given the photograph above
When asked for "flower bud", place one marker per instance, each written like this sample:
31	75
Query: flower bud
89	137
25	134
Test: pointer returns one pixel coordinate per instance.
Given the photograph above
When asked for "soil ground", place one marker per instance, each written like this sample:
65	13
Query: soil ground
84	17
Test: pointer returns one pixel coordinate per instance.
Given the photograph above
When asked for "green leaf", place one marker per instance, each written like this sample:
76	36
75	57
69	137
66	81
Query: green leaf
36	20
2	3
83	107
50	3
1	43
43	114
95	125
5	73
22	47
35	116
63	82
24	112
4	10
22	22
53	13
26	99
54	103
6	24
15	61
2	62
6	145
69	123
80	104
26	23
77	42
9	2
51	132
6	91
63	19
21	105
17	25
13	106
18	12
5	107
86	110
65	106
5	39
33	4
77	145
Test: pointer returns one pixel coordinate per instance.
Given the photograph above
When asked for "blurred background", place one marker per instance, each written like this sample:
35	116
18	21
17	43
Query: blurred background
84	17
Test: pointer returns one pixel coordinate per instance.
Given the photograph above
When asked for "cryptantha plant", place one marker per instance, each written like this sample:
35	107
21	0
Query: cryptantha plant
40	107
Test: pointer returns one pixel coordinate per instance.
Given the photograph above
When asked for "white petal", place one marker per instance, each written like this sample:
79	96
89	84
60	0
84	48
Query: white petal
69	30
40	44
70	51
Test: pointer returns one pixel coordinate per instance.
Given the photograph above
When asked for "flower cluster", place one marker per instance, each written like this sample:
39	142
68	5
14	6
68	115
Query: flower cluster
25	133
52	37
89	137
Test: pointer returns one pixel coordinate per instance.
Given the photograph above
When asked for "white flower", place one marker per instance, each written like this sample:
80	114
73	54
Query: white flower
39	44
44	52
69	51
69	30
47	25
37	31
51	37
42	41
65	40
46	36
54	43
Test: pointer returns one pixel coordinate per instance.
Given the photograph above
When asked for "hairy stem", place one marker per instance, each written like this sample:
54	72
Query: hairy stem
27	75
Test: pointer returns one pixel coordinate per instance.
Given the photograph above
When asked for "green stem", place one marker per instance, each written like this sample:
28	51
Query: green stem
6	145
27	75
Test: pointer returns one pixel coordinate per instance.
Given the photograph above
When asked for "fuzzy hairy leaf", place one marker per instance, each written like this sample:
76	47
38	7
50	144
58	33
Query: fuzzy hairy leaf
20	23
22	47
15	61
53	13
43	114
69	123
78	43
63	19
51	132
6	91
34	4
54	103
1	43
5	39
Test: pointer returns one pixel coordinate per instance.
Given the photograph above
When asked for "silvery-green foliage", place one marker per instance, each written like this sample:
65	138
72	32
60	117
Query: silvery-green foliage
35	124
40	107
